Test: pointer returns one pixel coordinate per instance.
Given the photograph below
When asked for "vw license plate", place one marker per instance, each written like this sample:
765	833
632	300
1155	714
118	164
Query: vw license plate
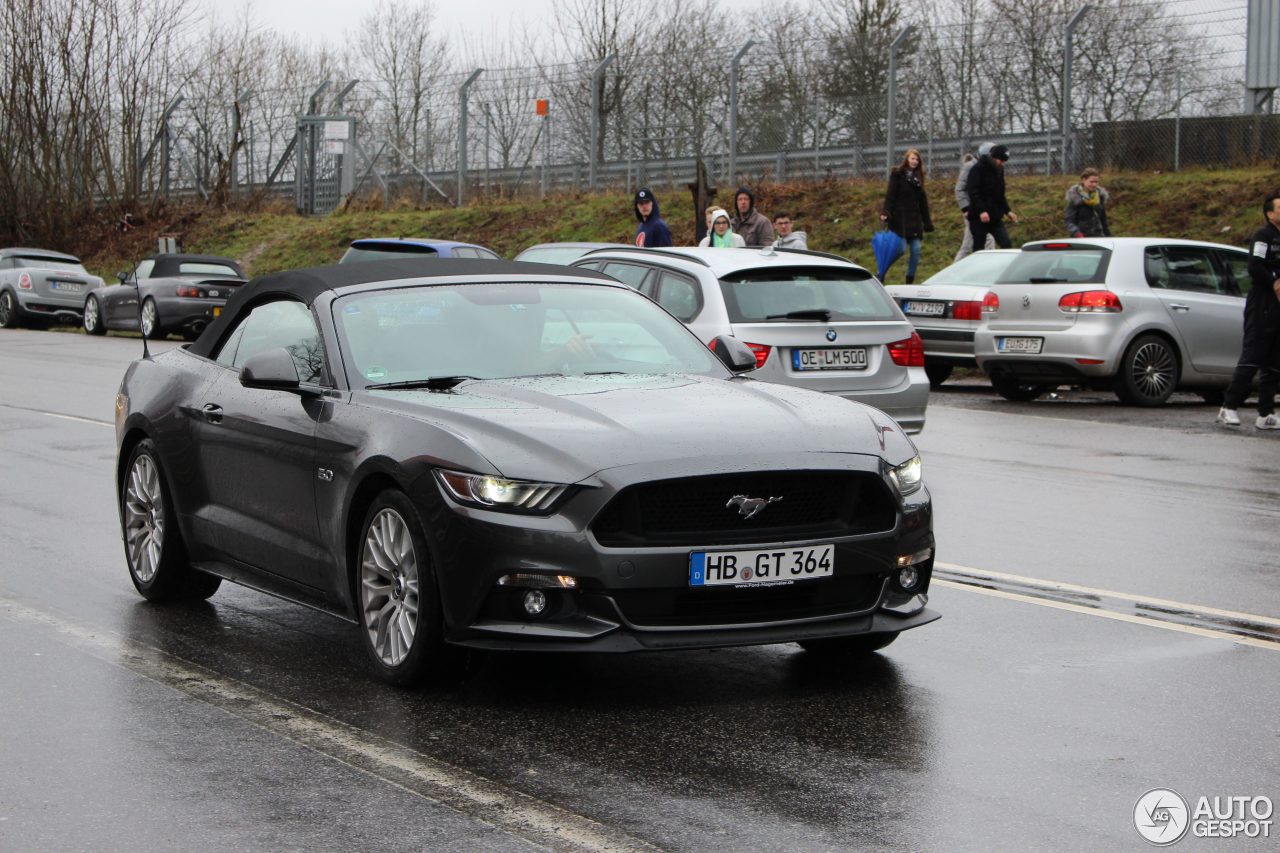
1028	345
924	309
830	358
780	565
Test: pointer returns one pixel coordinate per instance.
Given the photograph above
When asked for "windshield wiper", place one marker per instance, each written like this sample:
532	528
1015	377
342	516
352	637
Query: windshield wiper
434	383
806	314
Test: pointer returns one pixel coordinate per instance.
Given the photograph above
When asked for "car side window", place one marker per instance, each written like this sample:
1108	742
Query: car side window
463	252
1236	267
284	323
679	295
1191	269
143	270
485	253
1157	271
630	274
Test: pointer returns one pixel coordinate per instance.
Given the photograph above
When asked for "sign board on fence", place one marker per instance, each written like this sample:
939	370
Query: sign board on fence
335	146
337	130
543	106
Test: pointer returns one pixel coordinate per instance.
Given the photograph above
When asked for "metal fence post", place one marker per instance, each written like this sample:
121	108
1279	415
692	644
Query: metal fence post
734	70
597	83
893	94
237	108
1177	125
462	134
1066	84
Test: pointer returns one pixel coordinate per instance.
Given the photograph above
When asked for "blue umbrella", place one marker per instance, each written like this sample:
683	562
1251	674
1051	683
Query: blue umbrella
888	247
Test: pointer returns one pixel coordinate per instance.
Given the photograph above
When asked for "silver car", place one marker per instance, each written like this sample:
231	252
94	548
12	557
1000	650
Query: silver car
814	320
1140	315
42	287
947	307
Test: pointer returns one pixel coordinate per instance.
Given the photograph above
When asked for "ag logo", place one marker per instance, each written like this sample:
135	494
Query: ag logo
1161	816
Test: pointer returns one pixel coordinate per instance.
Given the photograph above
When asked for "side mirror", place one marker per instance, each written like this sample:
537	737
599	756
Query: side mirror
122	277
274	368
733	353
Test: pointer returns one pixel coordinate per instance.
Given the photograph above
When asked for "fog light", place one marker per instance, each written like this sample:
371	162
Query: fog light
535	602
913	559
908	577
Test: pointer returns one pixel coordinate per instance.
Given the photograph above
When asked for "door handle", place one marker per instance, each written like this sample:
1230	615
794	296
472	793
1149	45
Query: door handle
1178	306
212	413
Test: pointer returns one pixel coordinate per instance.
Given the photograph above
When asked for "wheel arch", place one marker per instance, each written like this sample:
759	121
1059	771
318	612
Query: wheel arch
1163	334
372	484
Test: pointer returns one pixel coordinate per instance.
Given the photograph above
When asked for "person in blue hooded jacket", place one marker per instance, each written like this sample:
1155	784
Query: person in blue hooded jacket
652	232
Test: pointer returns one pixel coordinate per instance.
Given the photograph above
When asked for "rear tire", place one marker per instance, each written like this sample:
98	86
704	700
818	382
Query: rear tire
858	645
401	620
937	373
9	318
1148	372
158	563
93	324
1011	388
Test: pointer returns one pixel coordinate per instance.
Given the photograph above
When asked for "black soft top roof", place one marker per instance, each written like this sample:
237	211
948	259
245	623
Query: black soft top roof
307	284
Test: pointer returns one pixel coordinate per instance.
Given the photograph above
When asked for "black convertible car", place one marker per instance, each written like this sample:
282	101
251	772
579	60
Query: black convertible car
491	455
164	293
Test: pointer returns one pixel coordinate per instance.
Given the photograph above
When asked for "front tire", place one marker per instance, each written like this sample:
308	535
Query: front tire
158	563
9	318
1148	372
149	323
400	614
856	646
1011	388
93	324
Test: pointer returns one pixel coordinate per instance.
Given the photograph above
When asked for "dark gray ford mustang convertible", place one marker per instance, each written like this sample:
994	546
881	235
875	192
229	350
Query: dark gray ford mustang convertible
489	455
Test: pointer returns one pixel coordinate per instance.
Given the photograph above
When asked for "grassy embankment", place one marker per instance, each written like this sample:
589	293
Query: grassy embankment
839	216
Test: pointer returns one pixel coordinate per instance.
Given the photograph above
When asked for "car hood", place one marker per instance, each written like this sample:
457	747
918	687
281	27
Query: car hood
566	428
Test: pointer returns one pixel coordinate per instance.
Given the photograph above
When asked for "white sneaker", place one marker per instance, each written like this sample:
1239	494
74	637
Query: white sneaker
1269	422
1229	417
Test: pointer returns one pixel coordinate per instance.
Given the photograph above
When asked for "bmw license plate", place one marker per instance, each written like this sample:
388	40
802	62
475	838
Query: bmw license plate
778	565
1027	345
829	358
924	309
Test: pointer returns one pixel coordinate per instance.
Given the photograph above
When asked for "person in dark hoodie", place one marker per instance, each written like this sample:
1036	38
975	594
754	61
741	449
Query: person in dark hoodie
987	205
652	232
750	224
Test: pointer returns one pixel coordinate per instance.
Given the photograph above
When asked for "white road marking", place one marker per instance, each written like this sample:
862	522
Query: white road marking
75	418
476	797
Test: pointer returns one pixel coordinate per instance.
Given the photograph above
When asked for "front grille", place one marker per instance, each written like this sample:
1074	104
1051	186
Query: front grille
696	510
728	606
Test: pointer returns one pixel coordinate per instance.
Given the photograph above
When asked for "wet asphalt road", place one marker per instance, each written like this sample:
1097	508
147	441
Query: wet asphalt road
1032	716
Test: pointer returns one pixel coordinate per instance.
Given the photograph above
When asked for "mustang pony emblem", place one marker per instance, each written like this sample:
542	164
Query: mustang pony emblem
749	507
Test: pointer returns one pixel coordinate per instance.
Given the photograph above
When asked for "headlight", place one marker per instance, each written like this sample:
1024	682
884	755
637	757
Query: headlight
906	477
490	492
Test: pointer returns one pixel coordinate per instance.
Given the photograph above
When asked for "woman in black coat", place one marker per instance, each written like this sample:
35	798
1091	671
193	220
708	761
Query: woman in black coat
906	207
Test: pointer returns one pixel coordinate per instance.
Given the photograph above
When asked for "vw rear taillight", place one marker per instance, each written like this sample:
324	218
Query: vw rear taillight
762	353
909	352
990	303
967	310
189	291
1090	302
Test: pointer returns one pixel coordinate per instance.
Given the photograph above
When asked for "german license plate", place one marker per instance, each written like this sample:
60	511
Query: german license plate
829	358
777	565
924	309
66	286
1027	345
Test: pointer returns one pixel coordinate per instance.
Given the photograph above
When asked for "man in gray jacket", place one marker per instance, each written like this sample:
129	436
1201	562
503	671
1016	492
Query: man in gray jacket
962	199
750	224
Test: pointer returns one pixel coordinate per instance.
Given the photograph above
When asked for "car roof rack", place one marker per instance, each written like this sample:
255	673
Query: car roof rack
694	258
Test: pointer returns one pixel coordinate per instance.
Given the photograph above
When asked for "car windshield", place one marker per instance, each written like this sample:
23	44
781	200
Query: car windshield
821	294
978	268
384	252
37	262
1055	266
497	331
553	254
198	268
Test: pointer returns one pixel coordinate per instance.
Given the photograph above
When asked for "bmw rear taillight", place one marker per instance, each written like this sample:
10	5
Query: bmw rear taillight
909	352
762	353
990	303
967	310
24	282
1090	302
189	291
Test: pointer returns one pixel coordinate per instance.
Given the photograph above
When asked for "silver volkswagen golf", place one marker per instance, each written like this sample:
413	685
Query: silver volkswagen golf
1140	315
814	320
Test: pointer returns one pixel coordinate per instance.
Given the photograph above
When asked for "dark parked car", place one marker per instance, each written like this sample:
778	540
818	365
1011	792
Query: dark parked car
42	287
390	248
492	455
165	293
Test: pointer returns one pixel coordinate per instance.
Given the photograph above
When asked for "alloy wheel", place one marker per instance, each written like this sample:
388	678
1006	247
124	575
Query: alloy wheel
6	309
148	318
91	315
1152	370
389	587
144	518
